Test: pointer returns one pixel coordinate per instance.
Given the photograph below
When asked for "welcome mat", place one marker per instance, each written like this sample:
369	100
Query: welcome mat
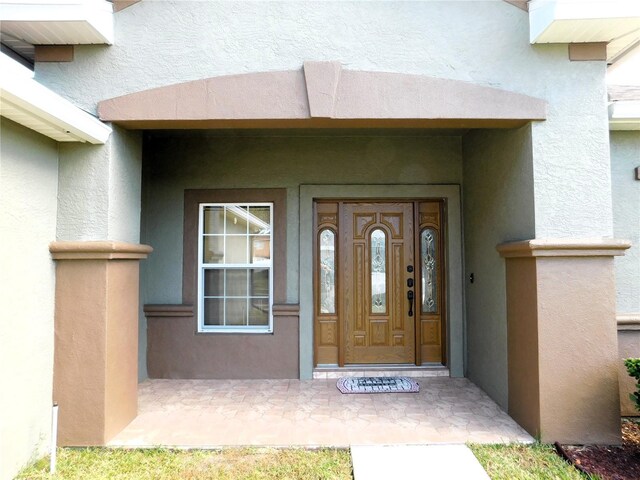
377	385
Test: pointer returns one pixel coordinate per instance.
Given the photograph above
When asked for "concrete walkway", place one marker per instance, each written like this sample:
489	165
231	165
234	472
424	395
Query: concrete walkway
309	413
432	462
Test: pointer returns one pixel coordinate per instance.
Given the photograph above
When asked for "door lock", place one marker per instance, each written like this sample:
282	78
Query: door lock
410	282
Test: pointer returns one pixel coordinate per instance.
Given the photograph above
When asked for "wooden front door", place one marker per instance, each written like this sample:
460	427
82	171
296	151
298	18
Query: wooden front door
378	282
377	253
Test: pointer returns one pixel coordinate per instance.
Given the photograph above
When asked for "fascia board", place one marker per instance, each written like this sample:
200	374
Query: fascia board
36	100
624	115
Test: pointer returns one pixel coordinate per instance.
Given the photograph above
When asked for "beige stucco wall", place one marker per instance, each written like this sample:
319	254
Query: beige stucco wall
625	157
249	160
498	207
562	339
578	379
28	190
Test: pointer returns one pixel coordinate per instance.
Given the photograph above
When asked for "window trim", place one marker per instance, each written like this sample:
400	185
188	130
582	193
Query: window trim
192	198
202	328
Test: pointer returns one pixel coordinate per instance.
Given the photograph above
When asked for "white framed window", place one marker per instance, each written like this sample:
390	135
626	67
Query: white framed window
235	267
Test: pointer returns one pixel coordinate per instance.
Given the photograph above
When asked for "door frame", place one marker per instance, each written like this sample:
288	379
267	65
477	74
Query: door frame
454	278
324	219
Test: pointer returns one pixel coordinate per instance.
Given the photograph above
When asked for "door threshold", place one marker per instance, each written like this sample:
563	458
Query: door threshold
333	371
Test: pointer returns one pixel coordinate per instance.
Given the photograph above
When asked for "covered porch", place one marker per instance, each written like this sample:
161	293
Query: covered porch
375	138
312	413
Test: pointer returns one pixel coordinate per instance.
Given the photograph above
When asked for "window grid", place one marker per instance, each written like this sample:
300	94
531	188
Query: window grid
250	266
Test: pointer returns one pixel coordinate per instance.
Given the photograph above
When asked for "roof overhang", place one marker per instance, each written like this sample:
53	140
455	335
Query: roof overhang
34	106
58	22
624	115
615	22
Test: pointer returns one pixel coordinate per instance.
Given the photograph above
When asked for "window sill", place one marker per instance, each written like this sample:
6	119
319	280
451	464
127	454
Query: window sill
240	330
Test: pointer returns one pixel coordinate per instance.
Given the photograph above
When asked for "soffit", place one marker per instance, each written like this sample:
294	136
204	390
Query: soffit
616	22
34	106
55	22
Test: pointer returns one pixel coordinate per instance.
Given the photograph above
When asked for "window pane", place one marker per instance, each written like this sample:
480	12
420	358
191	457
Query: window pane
237	235
260	220
236	311
213	220
260	249
429	270
236	249
236	283
213	311
236	221
214	283
213	250
327	271
378	272
258	311
259	282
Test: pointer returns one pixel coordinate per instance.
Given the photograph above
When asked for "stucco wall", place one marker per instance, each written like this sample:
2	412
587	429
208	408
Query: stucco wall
28	190
100	185
200	160
625	157
498	207
484	42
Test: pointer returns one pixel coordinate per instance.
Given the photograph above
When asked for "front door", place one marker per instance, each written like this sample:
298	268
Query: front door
378	283
378	263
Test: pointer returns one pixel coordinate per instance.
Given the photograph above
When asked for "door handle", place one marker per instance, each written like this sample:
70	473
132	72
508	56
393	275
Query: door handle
410	298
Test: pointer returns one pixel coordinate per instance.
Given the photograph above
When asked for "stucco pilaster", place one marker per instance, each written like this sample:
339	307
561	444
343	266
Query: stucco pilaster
562	338
95	377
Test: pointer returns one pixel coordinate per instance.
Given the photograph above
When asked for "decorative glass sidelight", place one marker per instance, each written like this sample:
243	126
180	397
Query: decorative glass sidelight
429	270
327	271
378	272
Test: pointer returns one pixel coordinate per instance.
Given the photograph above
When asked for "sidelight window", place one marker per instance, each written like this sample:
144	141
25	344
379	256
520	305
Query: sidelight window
235	274
429	255
327	271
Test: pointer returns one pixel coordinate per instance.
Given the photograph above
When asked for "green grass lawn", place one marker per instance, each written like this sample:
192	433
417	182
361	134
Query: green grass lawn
525	462
508	462
161	464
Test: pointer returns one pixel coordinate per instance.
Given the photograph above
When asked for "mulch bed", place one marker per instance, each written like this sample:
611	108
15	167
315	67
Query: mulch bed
609	462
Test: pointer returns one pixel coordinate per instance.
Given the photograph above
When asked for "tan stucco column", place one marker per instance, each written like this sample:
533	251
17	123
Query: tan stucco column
96	338
562	338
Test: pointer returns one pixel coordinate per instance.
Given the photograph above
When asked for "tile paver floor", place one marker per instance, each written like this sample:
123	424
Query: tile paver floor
210	413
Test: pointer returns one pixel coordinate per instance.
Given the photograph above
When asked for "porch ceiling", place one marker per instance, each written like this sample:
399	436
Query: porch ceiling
322	95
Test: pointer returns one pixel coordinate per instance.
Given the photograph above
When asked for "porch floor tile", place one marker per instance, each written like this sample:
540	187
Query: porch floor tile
212	413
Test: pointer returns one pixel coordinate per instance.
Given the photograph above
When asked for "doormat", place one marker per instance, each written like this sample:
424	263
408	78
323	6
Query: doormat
377	385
